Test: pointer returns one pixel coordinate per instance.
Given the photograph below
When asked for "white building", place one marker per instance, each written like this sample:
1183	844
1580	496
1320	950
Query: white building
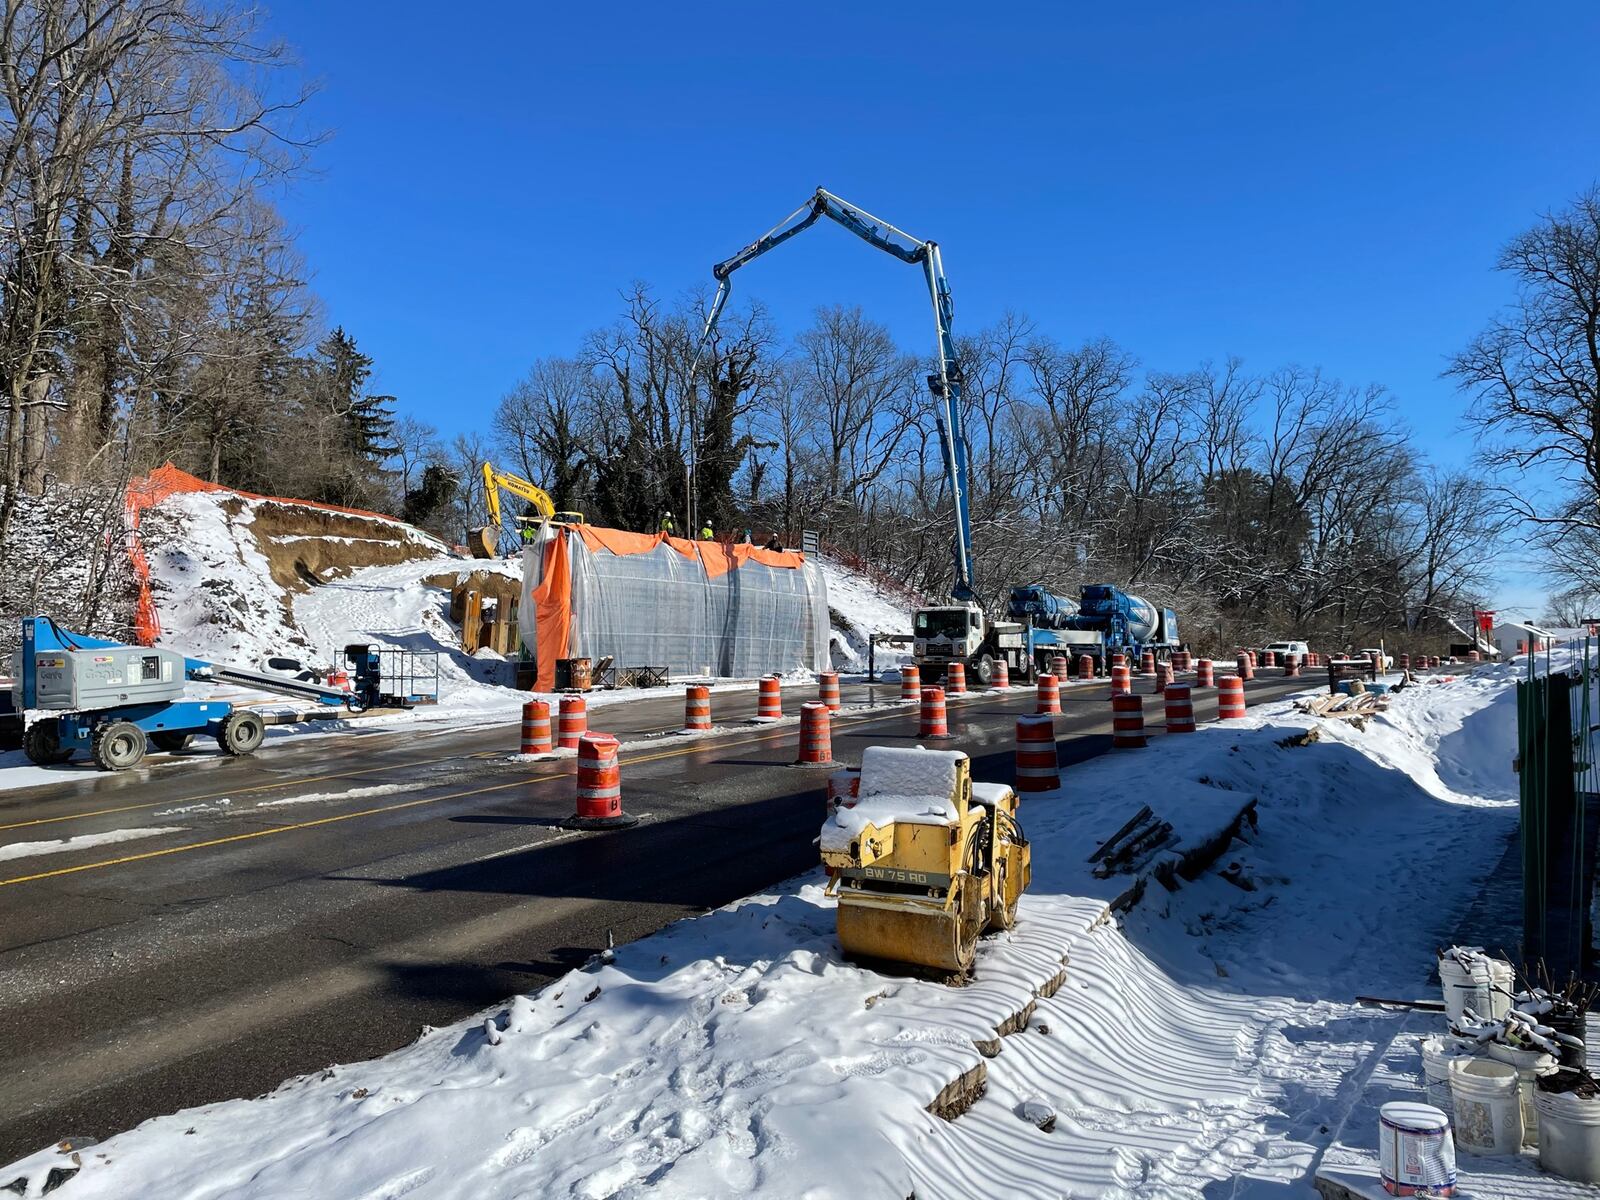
1517	637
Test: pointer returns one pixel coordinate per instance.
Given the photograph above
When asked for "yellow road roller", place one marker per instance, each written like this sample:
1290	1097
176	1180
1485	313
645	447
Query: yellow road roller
923	860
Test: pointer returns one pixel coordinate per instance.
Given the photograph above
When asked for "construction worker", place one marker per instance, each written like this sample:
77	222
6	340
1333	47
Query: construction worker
773	543
706	534
667	527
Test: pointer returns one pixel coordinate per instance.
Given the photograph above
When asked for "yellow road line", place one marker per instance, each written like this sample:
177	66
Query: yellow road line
675	752
678	751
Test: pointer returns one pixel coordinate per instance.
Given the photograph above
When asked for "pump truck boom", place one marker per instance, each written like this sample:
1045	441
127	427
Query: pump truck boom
945	384
109	698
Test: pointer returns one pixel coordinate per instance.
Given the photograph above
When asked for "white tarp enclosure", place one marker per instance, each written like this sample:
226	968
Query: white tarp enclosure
695	608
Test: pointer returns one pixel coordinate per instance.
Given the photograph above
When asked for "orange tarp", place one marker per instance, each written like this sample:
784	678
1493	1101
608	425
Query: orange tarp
552	612
718	557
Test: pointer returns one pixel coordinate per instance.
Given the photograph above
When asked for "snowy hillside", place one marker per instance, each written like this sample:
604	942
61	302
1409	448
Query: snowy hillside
1211	1035
860	607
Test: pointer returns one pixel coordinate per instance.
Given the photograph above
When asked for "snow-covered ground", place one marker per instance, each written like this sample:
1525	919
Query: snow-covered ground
859	608
1208	1039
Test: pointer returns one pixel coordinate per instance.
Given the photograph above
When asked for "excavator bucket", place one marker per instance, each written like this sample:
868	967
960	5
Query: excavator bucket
484	542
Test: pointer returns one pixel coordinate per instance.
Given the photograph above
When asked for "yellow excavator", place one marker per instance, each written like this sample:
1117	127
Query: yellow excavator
484	542
923	860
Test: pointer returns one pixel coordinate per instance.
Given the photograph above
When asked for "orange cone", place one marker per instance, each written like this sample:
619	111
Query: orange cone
696	707
599	785
572	722
769	700
934	723
1127	721
1049	695
910	683
1180	708
828	690
1230	698
816	736
1036	767
536	727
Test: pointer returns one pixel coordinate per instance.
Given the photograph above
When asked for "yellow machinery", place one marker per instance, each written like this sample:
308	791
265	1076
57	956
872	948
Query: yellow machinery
923	860
484	542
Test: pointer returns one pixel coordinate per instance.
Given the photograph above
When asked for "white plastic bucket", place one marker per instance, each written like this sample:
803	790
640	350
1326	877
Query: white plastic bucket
1415	1150
1488	1108
1484	987
1529	1065
1570	1142
1437	1055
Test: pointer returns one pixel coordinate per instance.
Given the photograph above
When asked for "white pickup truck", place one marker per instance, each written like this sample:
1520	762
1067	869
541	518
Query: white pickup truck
1282	648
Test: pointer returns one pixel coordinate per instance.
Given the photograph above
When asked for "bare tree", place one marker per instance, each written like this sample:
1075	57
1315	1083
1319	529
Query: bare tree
1534	374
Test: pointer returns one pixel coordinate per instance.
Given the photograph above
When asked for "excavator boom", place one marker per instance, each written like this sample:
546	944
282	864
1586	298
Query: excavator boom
484	542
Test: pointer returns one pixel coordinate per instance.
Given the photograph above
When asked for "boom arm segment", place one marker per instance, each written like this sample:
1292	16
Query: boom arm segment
494	480
946	385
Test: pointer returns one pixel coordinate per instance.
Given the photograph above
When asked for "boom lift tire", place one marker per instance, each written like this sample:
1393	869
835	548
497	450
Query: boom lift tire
170	741
242	732
42	744
118	745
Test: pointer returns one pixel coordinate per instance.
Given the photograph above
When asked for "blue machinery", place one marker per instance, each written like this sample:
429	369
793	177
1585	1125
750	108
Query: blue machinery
945	386
110	698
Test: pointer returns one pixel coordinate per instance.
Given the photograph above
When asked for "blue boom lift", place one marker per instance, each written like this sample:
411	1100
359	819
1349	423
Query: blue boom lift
109	698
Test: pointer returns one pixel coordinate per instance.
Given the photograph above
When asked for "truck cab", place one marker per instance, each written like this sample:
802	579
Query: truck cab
947	633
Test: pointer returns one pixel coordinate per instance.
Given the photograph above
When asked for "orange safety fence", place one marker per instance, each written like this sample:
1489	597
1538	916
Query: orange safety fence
150	490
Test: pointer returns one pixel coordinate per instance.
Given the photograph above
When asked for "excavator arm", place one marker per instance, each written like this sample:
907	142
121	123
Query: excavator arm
945	385
485	540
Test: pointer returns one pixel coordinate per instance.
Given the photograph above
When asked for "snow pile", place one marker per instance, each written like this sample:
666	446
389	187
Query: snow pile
859	607
898	783
1211	1037
225	568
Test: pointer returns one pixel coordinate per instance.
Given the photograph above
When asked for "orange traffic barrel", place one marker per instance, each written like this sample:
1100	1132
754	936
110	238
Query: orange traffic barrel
1058	666
1002	676
955	679
1147	663
696	707
1204	673
536	727
1163	677
910	683
828	690
572	721
1230	698
1049	695
1085	667
1127	721
1269	658
843	788
1121	679
816	735
1036	766
599	785
934	722
1291	665
1180	708
1245	667
769	701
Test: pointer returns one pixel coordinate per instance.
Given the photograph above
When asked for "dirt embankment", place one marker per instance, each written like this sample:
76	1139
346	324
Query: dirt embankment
306	546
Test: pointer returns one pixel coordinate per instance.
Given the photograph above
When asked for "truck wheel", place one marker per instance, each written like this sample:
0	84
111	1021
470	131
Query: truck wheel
984	669
118	745
171	741
242	732
42	743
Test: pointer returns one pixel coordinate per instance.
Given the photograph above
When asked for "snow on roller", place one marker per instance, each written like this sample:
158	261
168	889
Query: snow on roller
923	860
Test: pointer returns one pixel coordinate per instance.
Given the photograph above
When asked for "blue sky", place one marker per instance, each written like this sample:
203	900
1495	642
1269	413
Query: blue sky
1324	184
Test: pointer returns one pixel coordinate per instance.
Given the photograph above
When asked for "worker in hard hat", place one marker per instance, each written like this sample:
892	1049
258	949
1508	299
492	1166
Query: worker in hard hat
667	527
706	534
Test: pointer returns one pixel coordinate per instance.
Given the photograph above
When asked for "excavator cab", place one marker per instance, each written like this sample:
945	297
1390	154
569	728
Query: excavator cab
484	541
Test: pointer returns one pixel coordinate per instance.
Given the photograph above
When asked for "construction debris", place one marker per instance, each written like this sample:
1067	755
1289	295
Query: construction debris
1363	704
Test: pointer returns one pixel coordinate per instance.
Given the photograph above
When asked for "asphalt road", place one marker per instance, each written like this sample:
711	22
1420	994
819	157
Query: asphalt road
322	901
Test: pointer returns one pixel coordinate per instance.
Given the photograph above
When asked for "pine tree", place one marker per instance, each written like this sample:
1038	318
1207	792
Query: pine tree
363	424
